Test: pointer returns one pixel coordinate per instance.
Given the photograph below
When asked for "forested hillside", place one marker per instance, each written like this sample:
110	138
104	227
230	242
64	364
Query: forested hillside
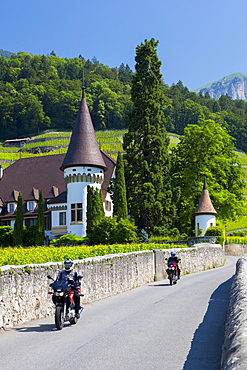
40	92
43	92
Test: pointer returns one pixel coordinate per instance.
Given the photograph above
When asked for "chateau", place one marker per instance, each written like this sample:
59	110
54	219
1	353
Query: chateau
63	180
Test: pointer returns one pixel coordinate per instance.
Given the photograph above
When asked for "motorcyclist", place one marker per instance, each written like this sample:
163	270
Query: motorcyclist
72	276
173	258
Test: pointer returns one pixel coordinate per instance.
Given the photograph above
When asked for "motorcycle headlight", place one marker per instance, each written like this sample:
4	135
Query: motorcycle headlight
59	294
173	268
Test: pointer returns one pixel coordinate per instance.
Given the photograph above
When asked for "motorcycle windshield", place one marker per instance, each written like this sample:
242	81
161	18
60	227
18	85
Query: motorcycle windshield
61	284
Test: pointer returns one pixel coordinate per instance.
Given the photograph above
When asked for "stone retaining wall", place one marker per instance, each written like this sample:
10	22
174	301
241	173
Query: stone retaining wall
232	249
234	353
24	289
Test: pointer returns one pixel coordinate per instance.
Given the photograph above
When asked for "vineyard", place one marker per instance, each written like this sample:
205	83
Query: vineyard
23	256
57	142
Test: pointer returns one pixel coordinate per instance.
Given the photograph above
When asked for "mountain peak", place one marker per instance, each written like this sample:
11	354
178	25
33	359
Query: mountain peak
234	85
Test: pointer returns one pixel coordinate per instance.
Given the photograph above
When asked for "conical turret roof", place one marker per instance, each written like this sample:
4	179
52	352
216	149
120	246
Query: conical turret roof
83	148
205	205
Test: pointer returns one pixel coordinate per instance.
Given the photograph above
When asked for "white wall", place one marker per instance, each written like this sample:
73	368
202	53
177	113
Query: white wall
205	222
77	193
108	213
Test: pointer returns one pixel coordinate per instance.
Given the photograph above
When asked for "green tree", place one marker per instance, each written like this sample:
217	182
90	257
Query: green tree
206	148
18	226
95	210
40	222
146	144
29	235
89	209
110	231
99	205
120	209
6	236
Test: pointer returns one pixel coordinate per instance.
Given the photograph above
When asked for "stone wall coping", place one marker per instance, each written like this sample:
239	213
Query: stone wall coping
235	343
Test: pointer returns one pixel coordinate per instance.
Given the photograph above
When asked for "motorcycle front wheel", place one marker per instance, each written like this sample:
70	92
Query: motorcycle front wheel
59	318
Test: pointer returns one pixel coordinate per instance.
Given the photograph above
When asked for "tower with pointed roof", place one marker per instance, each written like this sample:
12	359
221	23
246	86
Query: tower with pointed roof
83	165
205	214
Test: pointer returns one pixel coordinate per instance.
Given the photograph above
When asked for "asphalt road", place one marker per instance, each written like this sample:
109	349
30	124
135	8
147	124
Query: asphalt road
154	327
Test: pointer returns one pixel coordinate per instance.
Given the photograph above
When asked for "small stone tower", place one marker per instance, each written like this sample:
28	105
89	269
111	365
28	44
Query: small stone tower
205	214
83	165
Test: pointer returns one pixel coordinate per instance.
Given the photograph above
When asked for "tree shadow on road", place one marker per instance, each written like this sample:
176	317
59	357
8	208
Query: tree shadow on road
39	328
206	346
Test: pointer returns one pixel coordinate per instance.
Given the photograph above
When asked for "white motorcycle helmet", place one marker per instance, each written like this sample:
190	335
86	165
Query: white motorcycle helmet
68	264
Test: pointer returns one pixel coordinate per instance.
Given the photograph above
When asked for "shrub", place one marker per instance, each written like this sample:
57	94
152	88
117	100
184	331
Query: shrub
238	233
6	236
29	235
236	240
143	235
220	240
69	239
215	231
110	231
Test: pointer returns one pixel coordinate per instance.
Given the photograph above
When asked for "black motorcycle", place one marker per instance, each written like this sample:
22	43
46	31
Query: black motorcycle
172	271
63	298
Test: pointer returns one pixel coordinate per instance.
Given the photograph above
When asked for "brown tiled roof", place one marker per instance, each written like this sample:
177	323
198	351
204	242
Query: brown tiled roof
83	147
61	198
42	174
205	205
24	175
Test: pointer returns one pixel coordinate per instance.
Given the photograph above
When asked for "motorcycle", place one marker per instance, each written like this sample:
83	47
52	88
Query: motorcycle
63	298
172	271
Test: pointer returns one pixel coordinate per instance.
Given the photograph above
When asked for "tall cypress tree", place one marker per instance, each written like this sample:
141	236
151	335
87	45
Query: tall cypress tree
95	210
89	209
146	144
119	193
40	222
99	206
18	226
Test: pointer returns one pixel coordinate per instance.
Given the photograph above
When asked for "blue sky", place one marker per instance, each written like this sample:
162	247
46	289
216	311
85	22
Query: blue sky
199	41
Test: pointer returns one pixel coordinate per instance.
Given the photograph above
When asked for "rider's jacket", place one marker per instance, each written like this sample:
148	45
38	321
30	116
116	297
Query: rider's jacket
175	259
70	275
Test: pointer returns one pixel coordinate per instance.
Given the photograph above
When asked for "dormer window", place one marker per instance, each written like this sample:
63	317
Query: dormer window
12	207
31	205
